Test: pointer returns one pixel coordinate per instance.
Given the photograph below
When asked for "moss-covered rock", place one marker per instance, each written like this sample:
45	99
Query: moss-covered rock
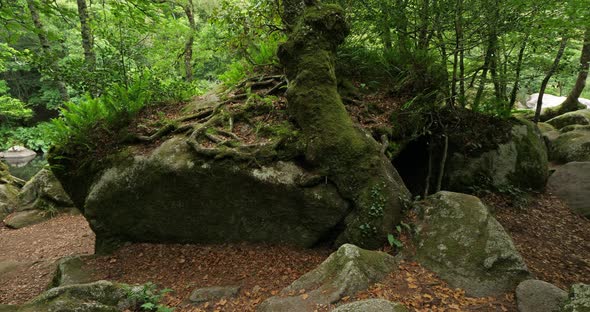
349	270
579	117
520	162
101	296
460	240
571	146
43	192
70	271
8	192
578	299
21	219
174	195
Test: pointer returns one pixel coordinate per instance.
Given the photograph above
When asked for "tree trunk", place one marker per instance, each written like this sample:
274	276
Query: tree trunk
571	103
336	147
87	37
548	76
516	86
45	47
188	47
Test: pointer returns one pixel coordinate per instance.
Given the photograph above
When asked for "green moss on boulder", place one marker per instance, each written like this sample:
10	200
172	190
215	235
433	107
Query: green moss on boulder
571	146
521	162
461	241
579	117
578	299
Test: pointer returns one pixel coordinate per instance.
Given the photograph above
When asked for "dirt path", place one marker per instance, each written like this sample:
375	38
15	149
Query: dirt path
554	242
33	250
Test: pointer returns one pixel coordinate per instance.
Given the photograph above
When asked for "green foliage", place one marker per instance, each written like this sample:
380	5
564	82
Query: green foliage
147	297
37	138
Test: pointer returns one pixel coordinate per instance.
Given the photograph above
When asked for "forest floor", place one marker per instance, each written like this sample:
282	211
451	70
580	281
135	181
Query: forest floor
554	242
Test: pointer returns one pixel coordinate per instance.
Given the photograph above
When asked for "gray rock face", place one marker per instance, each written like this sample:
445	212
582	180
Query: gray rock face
578	299
461	241
43	192
349	270
539	296
571	182
17	152
521	162
213	293
173	195
371	305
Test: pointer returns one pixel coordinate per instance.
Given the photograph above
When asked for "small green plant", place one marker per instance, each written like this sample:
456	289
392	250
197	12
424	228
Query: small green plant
394	241
147	297
377	202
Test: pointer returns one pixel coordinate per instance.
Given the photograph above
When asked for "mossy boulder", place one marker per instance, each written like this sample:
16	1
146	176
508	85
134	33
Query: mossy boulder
21	219
8	192
578	299
571	146
101	296
348	270
539	296
579	117
521	162
70	271
460	240
176	195
43	192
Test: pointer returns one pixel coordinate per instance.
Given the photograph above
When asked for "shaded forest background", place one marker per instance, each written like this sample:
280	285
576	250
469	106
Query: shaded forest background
107	59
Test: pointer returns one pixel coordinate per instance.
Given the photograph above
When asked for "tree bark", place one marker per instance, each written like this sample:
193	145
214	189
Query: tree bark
188	47
516	86
46	48
337	148
87	37
572	103
548	76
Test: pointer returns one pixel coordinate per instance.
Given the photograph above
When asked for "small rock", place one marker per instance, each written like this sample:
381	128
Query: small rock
539	296
213	293
21	219
371	305
70	271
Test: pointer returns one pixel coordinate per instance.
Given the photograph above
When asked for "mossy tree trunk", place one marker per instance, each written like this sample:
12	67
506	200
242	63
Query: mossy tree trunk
572	103
341	151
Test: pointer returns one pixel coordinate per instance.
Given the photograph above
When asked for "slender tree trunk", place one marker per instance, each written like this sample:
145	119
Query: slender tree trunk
334	145
45	47
548	76
458	50
87	37
484	74
516	86
386	28
423	38
572	103
188	47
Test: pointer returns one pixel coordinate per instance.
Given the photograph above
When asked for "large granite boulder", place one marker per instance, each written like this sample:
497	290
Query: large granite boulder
520	162
460	240
578	299
175	195
349	270
571	182
539	296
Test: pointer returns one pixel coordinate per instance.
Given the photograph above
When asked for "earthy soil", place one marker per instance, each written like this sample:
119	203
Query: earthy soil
553	240
35	249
